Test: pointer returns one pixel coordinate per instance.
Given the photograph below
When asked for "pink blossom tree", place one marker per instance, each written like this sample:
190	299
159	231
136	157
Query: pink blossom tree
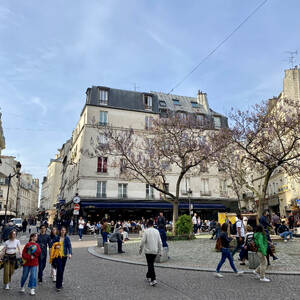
264	140
177	144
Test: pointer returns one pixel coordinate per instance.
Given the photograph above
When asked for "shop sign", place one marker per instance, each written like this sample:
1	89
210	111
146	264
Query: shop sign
76	207
75	212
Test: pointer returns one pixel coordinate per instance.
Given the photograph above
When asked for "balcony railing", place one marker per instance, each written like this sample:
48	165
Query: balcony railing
205	193
101	195
223	193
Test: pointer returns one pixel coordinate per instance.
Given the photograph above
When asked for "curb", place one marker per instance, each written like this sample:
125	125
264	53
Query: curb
92	251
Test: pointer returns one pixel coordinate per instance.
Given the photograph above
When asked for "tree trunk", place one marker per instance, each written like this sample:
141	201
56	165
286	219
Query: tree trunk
175	216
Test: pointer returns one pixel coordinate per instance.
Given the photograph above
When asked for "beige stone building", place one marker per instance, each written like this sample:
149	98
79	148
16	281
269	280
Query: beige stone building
99	183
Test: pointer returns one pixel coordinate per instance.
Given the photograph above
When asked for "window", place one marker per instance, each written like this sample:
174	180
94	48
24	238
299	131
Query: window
163	113
148	122
1	193
162	103
148	101
102	139
181	115
176	102
195	104
102	165
203	166
149	192
122	190
205	187
103	97
122	165
200	119
103	118
101	189
217	122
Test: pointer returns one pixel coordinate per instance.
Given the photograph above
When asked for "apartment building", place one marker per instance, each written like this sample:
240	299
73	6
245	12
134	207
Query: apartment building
102	189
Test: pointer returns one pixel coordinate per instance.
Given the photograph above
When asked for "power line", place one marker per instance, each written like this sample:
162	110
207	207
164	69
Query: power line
219	45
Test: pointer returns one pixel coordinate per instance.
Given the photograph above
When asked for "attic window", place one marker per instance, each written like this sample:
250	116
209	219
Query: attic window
176	102
194	104
162	103
148	101
103	97
217	122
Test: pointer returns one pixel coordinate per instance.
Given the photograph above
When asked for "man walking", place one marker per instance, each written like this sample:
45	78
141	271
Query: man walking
24	225
152	245
194	220
81	224
44	242
240	236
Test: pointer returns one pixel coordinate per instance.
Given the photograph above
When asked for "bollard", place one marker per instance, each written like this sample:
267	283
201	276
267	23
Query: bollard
164	256
100	241
110	248
253	260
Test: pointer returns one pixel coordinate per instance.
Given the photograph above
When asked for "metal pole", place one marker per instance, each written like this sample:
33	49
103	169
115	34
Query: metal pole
189	203
5	216
18	190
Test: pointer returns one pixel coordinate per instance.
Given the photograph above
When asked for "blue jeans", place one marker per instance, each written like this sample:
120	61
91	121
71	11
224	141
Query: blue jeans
42	265
32	278
60	263
286	234
104	236
226	254
80	233
70	230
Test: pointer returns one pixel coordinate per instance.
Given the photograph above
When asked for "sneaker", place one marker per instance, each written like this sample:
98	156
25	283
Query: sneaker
6	286
58	290
285	241
22	290
256	274
79	239
218	275
275	258
121	252
239	273
54	279
148	280
153	283
32	292
265	279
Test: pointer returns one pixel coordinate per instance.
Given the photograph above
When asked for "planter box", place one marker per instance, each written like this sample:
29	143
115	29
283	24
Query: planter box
253	260
180	237
110	248
99	241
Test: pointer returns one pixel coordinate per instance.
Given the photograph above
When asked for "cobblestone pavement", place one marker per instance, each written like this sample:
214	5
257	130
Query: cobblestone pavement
88	277
200	253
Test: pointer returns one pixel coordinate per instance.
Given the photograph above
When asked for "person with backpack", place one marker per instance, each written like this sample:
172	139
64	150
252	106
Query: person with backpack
247	246
30	256
224	241
239	231
261	242
44	242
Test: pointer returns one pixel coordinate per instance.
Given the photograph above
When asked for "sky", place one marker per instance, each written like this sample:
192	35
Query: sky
51	51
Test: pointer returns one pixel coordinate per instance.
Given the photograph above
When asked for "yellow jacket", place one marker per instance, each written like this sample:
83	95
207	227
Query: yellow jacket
56	251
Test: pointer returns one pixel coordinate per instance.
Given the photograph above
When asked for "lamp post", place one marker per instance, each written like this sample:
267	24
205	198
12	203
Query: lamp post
190	194
10	176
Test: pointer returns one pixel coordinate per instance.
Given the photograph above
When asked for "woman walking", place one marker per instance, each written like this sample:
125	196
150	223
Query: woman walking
225	240
105	231
11	249
262	246
60	252
30	256
53	239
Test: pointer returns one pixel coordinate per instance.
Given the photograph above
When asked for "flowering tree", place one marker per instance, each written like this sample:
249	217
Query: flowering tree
265	139
177	144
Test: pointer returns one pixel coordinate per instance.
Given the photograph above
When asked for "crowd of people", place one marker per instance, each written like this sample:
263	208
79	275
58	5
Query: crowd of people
33	258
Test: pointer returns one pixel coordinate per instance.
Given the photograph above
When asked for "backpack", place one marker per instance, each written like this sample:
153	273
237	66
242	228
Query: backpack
218	244
251	245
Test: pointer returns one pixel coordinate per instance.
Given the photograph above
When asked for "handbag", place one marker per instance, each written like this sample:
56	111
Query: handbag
218	244
19	263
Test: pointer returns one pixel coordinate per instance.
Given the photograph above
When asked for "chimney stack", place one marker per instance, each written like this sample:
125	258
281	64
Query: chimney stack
202	99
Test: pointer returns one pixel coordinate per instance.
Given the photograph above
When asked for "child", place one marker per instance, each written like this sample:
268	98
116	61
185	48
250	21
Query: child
30	256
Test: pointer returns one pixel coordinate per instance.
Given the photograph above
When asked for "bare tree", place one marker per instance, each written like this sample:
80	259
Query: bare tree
177	145
264	139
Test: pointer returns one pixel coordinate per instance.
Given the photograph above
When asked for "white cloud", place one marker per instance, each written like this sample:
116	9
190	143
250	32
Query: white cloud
38	102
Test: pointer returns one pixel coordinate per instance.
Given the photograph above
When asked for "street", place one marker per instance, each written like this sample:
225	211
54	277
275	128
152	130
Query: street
88	277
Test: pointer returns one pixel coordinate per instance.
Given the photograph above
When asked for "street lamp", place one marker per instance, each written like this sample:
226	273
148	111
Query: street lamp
190	194
10	176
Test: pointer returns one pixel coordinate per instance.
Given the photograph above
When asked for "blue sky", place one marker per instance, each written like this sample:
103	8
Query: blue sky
51	51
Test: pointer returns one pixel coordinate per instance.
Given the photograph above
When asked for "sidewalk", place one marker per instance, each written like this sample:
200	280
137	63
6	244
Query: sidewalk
199	254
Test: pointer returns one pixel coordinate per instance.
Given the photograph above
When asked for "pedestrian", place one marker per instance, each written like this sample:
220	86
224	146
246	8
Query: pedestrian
261	242
29	228
240	234
291	220
37	225
24	225
44	242
6	231
152	245
161	221
105	231
10	251
60	252
246	247
71	227
194	220
275	222
81	224
53	238
117	237
225	240
264	221
284	232
30	256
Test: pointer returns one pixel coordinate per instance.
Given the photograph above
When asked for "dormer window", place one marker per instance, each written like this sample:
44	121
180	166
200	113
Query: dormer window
148	101
103	97
195	104
217	122
176	102
162	103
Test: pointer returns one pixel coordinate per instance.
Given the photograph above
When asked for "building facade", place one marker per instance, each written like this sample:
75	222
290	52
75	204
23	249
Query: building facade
102	189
